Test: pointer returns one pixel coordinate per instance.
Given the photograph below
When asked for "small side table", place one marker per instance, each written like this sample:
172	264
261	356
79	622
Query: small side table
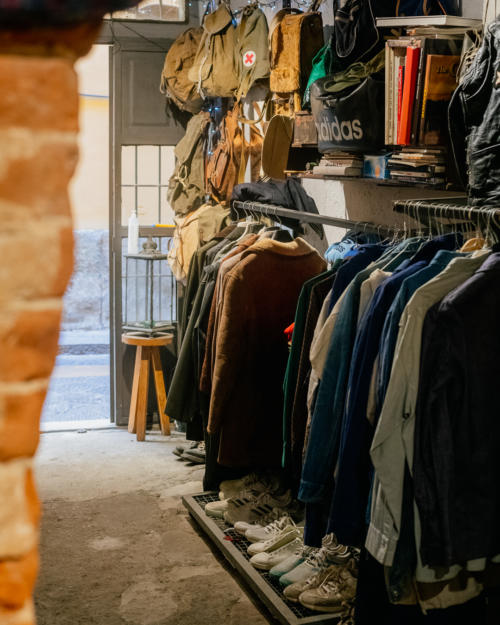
148	351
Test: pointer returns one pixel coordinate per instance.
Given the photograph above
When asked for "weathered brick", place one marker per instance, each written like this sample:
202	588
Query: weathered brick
37	261
38	93
23	616
28	345
70	42
19	424
20	509
47	191
17	579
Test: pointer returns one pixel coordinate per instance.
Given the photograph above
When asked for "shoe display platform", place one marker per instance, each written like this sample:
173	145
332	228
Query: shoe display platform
234	548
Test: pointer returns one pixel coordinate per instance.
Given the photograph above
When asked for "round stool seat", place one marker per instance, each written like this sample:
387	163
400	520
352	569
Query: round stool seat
138	339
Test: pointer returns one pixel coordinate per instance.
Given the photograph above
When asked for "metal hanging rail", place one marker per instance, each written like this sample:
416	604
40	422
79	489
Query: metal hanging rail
269	210
438	209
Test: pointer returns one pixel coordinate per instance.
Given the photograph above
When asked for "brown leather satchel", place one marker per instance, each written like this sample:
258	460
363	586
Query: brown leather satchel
227	164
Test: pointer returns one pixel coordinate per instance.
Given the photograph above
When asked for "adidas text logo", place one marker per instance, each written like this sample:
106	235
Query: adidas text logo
340	131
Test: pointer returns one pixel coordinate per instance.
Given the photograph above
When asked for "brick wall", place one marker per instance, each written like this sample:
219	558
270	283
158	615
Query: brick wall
38	154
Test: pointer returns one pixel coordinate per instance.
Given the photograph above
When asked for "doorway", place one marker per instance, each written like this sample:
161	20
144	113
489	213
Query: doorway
79	392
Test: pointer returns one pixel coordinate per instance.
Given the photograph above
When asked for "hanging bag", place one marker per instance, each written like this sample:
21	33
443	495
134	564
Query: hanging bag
348	108
213	69
425	7
186	187
251	52
175	81
225	168
296	38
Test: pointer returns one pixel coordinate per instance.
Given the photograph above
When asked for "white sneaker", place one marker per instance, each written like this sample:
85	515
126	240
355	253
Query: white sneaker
289	533
247	507
267	560
216	509
243	526
318	560
230	489
257	535
293	560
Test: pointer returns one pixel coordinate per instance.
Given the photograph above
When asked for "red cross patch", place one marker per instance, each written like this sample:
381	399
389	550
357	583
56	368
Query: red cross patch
249	58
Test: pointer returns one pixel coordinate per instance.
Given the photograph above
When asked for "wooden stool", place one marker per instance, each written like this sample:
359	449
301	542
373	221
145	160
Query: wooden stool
148	351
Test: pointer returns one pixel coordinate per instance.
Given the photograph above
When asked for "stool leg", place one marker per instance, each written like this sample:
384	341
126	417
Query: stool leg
161	395
132	426
142	395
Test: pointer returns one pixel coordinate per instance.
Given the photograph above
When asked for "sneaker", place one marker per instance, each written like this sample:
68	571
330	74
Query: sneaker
289	533
196	455
230	489
180	449
341	554
259	534
242	526
267	560
255	510
320	559
293	591
335	591
293	560
216	509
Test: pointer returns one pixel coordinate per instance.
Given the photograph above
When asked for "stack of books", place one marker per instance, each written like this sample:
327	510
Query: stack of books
419	166
339	164
421	76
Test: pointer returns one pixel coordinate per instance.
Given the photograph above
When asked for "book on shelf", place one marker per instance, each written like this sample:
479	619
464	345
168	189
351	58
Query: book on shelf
395	58
408	94
406	72
401	67
333	170
419	181
416	167
440	83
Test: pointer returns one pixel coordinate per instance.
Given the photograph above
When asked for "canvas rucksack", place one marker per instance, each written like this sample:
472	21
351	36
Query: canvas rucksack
213	69
186	187
296	38
251	53
175	82
226	166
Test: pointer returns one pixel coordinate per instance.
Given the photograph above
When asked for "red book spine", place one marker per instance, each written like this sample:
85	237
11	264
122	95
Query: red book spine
410	83
401	73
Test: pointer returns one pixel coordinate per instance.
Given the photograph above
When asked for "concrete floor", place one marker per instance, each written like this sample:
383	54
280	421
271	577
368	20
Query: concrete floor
118	547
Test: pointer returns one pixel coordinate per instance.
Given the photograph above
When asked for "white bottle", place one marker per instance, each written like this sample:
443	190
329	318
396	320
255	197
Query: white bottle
133	234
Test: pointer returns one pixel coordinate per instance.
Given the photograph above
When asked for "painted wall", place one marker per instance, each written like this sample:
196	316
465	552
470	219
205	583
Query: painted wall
90	185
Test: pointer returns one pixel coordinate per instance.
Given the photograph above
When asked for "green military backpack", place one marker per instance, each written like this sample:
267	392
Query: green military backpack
186	187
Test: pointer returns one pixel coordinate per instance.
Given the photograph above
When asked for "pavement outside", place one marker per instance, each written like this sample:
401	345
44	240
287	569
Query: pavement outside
79	393
118	547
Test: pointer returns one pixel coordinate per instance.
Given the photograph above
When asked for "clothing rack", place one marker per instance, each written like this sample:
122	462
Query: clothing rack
428	212
270	210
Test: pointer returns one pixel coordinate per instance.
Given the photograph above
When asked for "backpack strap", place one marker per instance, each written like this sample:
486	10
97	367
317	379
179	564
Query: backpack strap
260	114
315	4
